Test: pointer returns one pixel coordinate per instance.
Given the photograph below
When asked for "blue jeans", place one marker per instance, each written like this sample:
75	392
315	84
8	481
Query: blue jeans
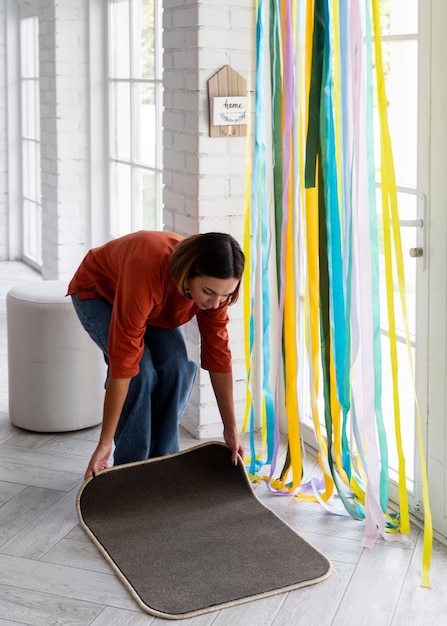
157	396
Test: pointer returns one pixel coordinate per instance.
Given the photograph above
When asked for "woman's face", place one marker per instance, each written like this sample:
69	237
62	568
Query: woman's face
210	293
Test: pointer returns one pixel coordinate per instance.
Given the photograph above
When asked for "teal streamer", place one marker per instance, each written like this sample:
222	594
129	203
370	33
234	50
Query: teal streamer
259	225
353	510
337	290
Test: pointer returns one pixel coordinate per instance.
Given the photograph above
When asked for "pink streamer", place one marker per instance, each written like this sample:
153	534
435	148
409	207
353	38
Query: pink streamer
362	322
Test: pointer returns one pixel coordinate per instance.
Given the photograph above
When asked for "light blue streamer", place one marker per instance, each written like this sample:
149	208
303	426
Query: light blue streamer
346	169
375	274
265	255
254	223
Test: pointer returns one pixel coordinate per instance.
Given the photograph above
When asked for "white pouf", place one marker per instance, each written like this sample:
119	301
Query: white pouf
56	372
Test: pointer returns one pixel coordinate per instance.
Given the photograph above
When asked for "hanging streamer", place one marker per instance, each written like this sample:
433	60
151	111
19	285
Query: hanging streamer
324	252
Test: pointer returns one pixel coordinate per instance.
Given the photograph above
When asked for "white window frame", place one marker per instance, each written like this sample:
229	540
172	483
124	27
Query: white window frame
31	198
128	215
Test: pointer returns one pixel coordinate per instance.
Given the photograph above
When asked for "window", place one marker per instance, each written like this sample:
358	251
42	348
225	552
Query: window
30	140
135	101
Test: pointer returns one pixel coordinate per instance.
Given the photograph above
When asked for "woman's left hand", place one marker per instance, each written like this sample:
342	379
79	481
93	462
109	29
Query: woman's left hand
233	440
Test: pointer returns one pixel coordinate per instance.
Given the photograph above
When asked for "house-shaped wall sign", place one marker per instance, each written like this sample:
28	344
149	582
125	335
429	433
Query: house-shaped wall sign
228	104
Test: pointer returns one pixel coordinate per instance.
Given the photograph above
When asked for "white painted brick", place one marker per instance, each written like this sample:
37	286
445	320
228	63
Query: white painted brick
168	139
220	224
174	199
172	79
213	60
223	206
213	186
168	220
192	121
189	184
185	143
183	101
168	59
216	146
190	39
168	98
185	59
167	178
185	224
237	185
167	19
173	160
191	80
219	38
173	4
173	39
210	15
192	164
185	17
220	165
242	19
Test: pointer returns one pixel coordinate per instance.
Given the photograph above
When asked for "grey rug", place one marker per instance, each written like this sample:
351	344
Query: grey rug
187	535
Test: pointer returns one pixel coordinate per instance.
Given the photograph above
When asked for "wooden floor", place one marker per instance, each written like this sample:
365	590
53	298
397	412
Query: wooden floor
50	572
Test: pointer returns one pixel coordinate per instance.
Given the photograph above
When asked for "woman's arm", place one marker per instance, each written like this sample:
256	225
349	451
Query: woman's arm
223	390
116	393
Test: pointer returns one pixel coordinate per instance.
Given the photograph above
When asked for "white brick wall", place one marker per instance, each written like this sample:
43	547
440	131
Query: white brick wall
204	177
63	31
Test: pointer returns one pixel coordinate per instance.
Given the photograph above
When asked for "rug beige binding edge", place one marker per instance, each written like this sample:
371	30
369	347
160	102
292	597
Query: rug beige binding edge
210	609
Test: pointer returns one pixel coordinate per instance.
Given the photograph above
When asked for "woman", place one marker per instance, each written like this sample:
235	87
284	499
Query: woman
132	295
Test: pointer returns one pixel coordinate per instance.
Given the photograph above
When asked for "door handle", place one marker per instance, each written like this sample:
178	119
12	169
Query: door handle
416	252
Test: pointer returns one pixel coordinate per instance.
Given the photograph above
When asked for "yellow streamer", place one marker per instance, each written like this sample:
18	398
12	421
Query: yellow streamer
389	200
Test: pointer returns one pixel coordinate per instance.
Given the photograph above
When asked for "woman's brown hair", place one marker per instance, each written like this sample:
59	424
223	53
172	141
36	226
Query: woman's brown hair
217	255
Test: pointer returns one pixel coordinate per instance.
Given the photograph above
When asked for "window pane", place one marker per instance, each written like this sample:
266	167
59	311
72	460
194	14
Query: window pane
120	133
30	109
33	218
121	202
144	54
399	16
135	114
402	110
400	70
30	143
28	47
30	169
119	45
145	124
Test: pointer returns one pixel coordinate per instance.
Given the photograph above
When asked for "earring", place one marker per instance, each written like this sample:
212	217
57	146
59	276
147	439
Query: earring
188	293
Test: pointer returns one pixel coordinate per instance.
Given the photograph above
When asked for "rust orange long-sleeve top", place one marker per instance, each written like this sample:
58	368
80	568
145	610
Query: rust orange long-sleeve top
132	272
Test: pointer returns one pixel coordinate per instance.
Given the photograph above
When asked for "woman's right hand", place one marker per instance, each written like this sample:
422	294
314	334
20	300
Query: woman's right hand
115	396
99	461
